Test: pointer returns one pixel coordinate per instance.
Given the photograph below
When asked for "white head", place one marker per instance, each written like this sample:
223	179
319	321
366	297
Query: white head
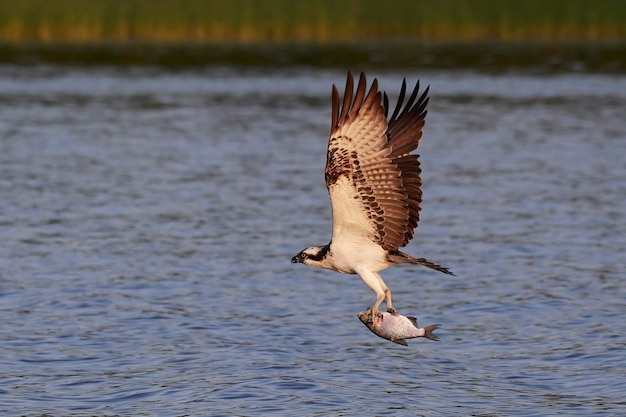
312	256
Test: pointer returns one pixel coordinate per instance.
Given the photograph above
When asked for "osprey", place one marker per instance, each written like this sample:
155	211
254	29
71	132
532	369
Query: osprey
374	185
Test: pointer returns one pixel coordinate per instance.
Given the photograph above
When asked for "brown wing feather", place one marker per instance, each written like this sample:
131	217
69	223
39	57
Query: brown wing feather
371	157
403	134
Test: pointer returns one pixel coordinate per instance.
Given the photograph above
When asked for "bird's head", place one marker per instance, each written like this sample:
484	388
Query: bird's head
311	256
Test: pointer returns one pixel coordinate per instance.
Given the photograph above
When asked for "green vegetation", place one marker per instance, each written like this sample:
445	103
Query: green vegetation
318	21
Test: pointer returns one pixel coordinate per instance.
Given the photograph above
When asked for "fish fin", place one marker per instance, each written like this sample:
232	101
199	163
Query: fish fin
400	342
414	321
428	332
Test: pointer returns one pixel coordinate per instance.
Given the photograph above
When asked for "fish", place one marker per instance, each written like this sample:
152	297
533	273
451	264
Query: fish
395	327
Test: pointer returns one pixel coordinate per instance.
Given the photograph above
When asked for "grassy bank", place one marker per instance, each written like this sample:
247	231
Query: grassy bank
319	21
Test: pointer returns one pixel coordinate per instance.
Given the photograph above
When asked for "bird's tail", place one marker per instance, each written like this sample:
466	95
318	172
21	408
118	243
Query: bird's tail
432	265
401	258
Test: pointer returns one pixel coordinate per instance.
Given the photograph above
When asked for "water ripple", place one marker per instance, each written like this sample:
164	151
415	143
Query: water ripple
148	220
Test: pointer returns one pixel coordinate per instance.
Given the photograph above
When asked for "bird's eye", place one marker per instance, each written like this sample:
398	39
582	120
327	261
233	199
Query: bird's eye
304	256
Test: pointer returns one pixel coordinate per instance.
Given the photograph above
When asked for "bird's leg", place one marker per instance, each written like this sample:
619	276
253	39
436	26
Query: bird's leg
373	311
387	294
390	308
376	283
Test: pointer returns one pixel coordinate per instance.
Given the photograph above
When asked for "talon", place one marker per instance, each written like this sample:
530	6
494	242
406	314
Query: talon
371	314
368	315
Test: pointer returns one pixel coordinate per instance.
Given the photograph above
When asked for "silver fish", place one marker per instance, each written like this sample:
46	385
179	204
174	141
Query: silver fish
396	327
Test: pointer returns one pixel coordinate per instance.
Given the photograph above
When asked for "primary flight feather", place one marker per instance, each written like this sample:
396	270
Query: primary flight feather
374	185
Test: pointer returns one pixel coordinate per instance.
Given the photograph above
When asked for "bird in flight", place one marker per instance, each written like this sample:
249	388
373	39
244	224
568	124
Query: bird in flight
374	185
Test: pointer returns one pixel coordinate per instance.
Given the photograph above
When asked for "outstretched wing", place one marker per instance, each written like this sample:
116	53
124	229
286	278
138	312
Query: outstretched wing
373	179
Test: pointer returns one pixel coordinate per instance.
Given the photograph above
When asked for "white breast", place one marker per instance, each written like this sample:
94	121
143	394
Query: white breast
354	254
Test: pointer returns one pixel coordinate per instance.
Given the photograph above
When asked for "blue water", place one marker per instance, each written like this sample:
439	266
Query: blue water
148	219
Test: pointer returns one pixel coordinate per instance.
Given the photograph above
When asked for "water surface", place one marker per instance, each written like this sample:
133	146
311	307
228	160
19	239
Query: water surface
148	218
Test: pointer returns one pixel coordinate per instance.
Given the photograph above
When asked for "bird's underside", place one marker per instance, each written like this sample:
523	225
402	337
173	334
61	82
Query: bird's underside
374	184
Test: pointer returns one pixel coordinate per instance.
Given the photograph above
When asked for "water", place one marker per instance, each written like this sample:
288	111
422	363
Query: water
148	218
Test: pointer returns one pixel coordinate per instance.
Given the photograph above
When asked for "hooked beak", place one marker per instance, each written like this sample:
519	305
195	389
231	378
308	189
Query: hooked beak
298	259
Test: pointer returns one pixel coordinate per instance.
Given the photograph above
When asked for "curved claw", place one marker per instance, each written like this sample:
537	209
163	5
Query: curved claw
370	313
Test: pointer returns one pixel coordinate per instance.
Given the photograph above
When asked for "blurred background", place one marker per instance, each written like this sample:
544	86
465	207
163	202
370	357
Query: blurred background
554	33
161	162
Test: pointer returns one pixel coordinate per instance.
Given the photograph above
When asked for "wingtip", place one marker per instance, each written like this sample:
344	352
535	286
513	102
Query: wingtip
335	107
350	79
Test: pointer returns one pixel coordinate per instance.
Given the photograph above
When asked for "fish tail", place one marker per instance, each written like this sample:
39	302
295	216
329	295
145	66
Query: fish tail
428	332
